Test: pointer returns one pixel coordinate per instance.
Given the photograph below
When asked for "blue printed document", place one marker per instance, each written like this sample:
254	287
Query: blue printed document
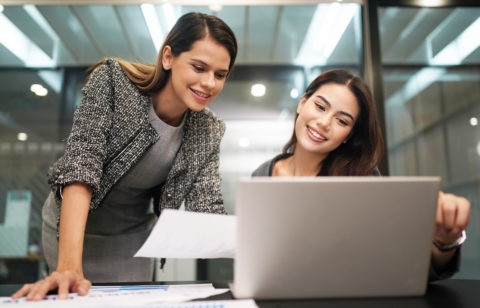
151	296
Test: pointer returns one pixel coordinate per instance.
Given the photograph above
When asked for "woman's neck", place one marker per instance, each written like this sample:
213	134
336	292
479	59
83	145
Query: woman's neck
301	163
167	107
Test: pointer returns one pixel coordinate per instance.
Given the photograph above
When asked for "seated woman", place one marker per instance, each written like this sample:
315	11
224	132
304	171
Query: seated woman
337	133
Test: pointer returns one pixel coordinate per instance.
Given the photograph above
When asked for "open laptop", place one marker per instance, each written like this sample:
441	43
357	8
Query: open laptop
333	236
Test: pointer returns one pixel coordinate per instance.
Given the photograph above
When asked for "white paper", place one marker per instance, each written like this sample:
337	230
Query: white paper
123	296
180	234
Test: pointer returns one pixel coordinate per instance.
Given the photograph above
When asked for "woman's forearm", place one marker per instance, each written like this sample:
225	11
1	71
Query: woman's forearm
441	259
73	219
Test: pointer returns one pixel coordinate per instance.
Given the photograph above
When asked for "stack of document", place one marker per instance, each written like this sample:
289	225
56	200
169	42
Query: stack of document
148	296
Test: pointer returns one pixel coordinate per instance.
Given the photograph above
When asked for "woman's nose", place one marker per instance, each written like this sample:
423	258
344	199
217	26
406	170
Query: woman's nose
208	81
325	121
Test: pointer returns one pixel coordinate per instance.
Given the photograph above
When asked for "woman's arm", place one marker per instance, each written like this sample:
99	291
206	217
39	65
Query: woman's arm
453	214
69	273
82	162
87	145
73	218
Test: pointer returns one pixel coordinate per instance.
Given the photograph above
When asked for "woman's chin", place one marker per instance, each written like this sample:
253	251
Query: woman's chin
197	106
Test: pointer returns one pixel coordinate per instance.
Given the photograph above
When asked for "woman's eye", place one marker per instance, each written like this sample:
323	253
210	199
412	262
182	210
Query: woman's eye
220	75
343	122
319	106
198	68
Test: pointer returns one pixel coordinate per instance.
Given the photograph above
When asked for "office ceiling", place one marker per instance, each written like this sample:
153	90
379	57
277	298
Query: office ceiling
269	36
80	35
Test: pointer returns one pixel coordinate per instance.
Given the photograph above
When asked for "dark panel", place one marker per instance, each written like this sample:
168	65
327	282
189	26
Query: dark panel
377	80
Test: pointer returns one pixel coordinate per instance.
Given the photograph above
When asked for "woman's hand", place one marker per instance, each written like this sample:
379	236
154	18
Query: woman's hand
453	214
69	274
64	281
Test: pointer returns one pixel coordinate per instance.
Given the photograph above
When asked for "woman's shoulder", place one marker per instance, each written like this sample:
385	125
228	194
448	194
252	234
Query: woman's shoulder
107	68
266	168
105	73
104	68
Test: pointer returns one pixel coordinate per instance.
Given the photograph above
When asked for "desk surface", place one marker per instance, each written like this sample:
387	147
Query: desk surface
458	293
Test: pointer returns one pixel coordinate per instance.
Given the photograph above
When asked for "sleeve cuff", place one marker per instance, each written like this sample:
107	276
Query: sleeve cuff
452	268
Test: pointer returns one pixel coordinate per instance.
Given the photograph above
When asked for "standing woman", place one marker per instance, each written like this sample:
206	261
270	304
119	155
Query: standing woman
337	134
140	133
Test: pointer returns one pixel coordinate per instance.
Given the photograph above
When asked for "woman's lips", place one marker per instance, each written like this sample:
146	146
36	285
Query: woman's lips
316	136
200	95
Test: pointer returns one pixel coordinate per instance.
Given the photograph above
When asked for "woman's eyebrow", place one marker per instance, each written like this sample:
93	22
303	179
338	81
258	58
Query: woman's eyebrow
206	64
324	99
347	114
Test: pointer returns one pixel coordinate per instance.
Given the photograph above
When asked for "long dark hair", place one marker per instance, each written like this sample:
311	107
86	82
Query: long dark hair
363	151
188	29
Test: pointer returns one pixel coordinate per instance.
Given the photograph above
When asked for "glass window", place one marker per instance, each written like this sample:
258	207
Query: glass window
29	121
431	70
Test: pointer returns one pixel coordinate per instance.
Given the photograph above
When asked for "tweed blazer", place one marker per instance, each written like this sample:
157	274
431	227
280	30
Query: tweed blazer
111	133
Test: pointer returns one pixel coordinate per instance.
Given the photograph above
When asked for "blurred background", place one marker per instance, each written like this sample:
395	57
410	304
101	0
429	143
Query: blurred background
421	58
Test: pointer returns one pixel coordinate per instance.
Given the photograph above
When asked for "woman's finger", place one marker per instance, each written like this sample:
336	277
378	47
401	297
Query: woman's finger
22	291
448	207
83	286
63	287
463	213
439	213
39	289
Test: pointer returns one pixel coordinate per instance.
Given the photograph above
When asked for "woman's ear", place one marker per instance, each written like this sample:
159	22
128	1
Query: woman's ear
302	102
167	57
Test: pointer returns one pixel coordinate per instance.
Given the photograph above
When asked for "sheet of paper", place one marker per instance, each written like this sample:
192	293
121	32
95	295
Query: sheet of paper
242	303
123	296
180	234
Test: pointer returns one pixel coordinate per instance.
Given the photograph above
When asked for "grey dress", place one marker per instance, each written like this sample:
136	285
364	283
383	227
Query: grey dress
266	169
111	134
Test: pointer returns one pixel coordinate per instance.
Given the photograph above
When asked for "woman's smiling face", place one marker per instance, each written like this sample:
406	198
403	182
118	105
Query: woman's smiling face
325	119
198	75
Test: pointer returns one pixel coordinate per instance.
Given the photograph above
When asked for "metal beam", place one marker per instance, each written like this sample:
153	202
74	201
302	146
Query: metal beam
373	69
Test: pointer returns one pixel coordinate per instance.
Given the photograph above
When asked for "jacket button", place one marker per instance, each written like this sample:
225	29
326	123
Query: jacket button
169	196
60	177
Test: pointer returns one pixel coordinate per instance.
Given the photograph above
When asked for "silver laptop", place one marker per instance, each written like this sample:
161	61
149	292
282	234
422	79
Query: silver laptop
333	236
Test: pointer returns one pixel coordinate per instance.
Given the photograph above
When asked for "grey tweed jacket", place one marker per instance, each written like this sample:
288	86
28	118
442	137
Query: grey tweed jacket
111	132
